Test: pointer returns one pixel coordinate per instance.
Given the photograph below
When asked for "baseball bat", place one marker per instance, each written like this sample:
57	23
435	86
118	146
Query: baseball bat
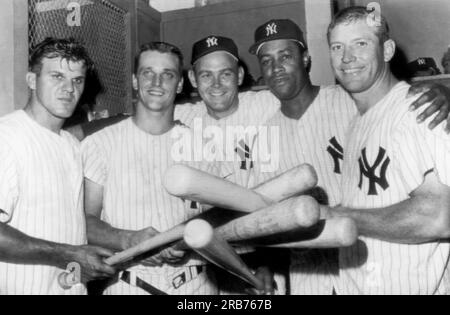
290	183
66	279
192	184
295	214
331	233
200	236
291	214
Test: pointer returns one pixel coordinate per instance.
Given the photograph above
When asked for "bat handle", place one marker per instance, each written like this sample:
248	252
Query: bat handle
257	283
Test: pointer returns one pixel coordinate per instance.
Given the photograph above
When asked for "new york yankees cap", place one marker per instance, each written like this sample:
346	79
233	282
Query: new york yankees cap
423	64
211	44
277	29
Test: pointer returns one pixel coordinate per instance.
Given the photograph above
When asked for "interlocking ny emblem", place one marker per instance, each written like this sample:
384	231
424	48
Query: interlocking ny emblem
337	153
421	61
271	29
369	171
212	41
244	153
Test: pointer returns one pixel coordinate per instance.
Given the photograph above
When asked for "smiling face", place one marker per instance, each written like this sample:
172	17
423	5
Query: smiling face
58	86
217	77
283	67
358	59
157	80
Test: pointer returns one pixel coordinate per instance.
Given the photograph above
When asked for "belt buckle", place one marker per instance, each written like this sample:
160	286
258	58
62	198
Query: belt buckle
179	280
187	275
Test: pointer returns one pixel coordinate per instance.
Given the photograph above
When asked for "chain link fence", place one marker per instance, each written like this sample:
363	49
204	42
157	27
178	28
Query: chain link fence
104	29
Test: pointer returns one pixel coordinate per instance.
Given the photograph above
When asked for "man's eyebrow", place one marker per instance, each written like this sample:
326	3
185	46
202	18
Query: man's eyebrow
170	70
360	38
288	49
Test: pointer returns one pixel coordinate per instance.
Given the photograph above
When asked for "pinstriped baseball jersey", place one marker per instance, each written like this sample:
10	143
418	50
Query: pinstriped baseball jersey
130	164
253	111
41	195
317	139
387	156
255	108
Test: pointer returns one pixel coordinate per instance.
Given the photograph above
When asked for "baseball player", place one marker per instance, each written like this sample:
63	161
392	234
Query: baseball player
42	227
313	122
126	202
395	175
236	116
217	76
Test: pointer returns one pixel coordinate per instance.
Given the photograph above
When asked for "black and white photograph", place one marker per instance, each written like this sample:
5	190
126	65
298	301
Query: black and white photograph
225	151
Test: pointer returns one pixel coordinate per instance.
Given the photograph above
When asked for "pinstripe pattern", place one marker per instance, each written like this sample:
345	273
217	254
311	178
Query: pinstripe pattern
255	108
307	141
42	197
377	267
130	164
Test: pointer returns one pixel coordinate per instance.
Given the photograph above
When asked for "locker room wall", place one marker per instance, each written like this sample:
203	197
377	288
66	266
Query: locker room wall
237	20
419	27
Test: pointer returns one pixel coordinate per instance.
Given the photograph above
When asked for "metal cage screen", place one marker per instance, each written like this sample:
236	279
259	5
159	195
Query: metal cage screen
103	30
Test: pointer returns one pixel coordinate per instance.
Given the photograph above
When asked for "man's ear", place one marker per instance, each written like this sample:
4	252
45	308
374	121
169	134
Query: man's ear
192	78
306	59
389	50
180	85
135	83
31	80
241	75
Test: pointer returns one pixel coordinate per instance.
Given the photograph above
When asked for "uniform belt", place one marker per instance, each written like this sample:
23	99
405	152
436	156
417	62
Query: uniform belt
178	280
138	282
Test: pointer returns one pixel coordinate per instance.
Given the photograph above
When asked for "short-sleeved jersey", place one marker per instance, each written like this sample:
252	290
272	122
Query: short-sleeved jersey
41	195
386	158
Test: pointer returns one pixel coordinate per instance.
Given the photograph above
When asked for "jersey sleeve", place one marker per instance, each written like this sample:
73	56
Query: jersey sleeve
94	160
186	113
420	150
9	184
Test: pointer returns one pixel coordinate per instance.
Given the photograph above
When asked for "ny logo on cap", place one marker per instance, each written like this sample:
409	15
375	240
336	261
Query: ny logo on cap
421	61
271	29
212	41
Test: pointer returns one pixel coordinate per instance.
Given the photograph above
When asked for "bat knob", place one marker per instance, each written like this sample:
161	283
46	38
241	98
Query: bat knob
176	179
63	280
307	210
198	233
70	277
348	232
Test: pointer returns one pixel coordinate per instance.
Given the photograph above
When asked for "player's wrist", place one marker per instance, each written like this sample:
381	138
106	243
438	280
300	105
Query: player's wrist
62	254
126	239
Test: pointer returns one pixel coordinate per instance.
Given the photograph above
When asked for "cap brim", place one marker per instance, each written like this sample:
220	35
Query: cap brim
254	49
213	51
